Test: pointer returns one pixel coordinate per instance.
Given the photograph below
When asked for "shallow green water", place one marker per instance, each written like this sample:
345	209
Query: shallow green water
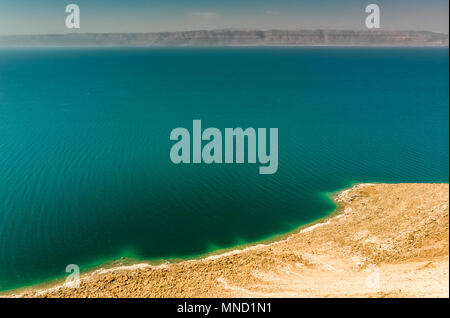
85	174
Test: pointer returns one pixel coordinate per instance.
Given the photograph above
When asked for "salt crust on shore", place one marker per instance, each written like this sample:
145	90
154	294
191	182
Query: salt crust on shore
386	240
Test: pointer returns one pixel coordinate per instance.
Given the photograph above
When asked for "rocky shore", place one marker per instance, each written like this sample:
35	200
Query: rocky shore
385	240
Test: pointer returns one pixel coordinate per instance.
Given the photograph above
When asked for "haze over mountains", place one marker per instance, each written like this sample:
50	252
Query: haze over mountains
233	38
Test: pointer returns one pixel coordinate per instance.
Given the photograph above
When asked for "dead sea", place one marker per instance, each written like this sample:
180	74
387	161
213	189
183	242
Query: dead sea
85	163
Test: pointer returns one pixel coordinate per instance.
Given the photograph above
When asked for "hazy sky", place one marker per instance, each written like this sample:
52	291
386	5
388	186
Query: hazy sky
48	16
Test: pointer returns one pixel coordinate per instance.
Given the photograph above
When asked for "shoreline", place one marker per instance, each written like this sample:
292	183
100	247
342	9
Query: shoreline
235	37
374	46
277	249
125	261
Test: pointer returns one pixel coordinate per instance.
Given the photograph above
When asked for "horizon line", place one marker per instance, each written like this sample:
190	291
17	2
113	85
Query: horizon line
222	29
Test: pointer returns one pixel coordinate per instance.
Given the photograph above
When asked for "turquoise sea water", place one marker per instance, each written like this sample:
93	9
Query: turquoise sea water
85	173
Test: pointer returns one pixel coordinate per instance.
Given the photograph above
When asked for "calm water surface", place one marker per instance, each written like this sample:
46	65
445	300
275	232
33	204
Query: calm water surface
85	174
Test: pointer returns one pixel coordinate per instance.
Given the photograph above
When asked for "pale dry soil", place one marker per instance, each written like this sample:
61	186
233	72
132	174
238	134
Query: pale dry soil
385	240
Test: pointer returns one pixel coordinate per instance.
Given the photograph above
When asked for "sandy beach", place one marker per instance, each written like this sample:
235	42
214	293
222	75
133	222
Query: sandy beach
385	240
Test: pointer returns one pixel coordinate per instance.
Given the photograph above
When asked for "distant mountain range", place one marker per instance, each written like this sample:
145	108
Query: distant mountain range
233	38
